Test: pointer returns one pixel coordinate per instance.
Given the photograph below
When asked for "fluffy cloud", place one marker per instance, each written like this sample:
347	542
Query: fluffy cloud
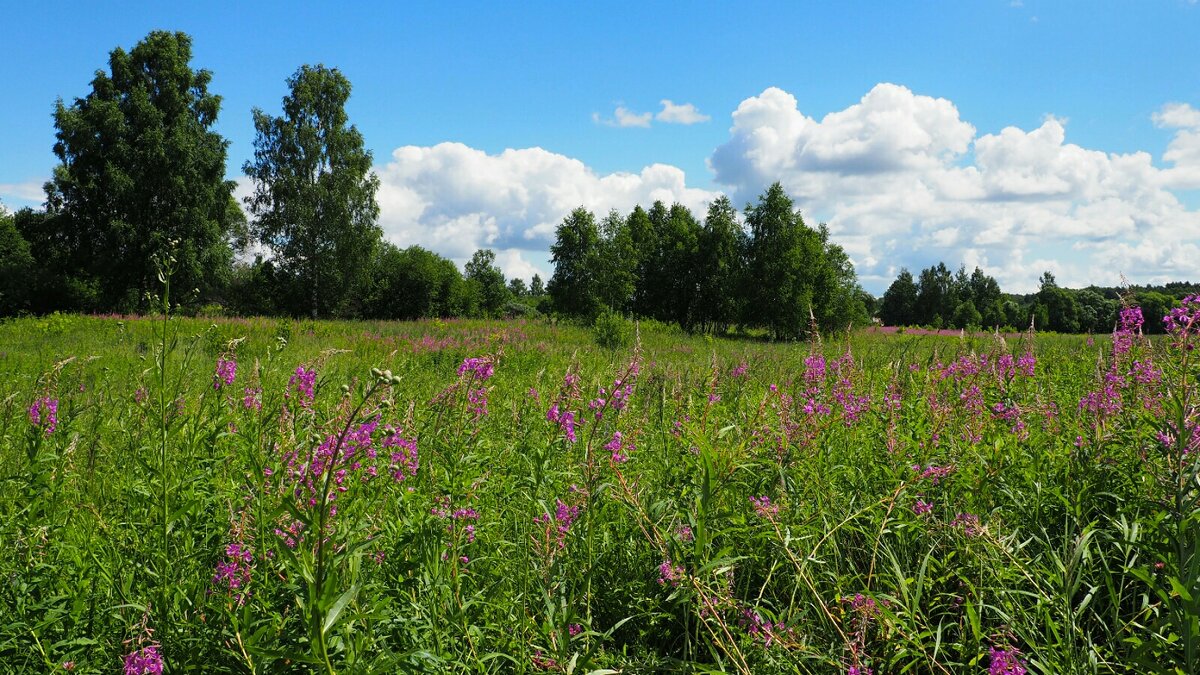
904	181
623	117
671	113
684	113
455	199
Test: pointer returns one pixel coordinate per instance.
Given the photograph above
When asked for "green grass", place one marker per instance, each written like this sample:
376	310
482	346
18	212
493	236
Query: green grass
1065	535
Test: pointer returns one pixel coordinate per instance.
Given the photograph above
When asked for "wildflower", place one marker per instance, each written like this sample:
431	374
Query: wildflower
740	370
558	525
933	473
1005	662
574	629
922	507
301	385
252	398
684	532
44	413
144	661
478	368
226	372
670	574
969	523
618	447
404	459
234	572
764	508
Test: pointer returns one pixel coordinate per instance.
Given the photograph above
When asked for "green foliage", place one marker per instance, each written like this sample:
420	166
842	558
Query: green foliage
481	270
142	173
314	195
712	506
16	267
575	253
899	306
613	331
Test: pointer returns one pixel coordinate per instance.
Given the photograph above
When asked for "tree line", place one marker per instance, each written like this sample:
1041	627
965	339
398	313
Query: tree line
140	191
939	298
772	271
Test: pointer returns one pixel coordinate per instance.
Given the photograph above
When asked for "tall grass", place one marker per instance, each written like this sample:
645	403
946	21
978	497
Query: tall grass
454	496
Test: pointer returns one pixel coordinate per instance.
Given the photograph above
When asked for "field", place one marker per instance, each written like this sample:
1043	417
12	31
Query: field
264	496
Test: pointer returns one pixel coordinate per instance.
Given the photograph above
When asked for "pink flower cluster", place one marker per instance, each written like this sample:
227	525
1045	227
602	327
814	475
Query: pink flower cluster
144	661
764	508
234	572
565	421
670	574
558	525
479	368
619	447
1005	662
226	372
933	473
301	385
44	413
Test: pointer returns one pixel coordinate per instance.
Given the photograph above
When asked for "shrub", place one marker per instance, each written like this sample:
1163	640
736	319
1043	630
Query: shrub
613	331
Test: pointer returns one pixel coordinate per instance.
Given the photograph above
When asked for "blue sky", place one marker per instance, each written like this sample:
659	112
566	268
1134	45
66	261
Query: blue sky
1020	136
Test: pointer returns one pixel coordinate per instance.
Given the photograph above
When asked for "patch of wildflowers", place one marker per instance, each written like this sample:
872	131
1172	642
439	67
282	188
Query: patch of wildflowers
44	414
225	373
301	385
1005	662
144	661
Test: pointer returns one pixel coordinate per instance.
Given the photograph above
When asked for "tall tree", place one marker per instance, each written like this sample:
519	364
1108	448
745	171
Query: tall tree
314	197
16	267
678	246
719	266
574	253
616	263
899	305
143	173
935	304
488	280
783	256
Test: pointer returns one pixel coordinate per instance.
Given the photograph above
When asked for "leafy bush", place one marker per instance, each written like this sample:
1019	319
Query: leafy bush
613	331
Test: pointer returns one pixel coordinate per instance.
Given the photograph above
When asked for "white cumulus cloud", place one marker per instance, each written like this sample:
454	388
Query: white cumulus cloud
683	113
903	180
454	199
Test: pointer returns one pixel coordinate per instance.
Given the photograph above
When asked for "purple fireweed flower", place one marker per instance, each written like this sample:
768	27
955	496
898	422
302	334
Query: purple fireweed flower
574	629
144	661
301	385
477	368
684	532
764	508
1005	662
558	525
670	574
969	523
252	398
933	473
619	448
226	372
740	370
234	572
855	670
404	461
44	413
922	507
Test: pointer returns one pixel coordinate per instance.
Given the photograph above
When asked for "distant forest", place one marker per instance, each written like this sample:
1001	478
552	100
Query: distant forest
139	199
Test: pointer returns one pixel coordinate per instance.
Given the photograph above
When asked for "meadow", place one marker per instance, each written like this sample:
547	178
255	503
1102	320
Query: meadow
274	496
